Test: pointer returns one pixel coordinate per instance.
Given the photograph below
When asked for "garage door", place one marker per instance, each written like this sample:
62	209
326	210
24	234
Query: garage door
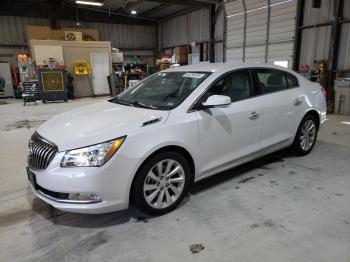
260	30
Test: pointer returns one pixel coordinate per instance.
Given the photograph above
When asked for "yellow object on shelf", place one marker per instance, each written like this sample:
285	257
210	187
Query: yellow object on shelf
82	68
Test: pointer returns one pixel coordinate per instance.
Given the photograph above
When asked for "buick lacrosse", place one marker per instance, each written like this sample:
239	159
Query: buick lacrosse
148	144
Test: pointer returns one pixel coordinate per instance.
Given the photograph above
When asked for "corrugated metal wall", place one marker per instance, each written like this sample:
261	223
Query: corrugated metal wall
314	44
122	35
235	45
315	41
256	29
128	37
260	30
182	30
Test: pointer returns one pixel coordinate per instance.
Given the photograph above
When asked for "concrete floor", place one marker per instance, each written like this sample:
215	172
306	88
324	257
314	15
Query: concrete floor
279	208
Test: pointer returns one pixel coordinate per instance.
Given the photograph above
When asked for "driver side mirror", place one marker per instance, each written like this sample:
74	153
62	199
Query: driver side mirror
217	101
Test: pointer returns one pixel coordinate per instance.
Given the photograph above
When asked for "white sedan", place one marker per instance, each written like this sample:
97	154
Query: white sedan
149	143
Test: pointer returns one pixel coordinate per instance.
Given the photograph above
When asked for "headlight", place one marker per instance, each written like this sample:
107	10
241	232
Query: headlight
95	155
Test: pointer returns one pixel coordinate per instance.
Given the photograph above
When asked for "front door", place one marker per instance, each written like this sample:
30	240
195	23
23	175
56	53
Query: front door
100	71
227	134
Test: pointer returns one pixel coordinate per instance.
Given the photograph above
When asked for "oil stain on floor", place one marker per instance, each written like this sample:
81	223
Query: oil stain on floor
24	124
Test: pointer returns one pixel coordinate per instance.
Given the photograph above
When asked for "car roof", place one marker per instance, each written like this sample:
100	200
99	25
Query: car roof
215	67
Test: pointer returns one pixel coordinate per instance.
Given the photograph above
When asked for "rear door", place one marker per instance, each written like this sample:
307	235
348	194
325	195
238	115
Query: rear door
227	134
280	99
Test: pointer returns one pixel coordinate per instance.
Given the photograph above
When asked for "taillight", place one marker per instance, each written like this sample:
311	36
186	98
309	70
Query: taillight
324	92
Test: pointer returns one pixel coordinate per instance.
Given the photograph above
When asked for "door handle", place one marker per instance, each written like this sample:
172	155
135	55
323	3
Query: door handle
254	115
298	101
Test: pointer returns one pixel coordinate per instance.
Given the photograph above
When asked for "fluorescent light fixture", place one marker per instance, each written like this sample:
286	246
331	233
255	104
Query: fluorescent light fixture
133	12
346	123
89	3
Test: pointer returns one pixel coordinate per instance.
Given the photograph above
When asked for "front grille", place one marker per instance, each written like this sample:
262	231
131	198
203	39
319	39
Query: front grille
40	152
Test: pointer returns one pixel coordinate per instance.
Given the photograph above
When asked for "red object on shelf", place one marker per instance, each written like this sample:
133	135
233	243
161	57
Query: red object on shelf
166	56
304	69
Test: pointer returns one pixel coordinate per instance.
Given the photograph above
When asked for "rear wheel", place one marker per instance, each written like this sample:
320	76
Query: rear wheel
161	183
306	136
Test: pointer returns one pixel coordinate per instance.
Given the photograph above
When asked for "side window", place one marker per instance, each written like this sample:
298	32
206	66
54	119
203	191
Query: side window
236	85
271	80
292	81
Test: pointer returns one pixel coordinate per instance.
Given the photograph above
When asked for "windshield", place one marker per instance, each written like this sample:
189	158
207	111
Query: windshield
164	90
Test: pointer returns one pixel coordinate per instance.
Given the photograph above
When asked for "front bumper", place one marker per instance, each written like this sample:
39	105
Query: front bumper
111	182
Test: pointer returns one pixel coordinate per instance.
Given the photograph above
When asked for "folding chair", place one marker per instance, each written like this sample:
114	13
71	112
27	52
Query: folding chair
29	93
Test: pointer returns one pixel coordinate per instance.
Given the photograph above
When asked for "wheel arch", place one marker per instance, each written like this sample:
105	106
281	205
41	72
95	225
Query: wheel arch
315	114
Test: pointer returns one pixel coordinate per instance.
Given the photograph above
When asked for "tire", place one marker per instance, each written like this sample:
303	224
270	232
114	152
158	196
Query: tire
303	144
150	186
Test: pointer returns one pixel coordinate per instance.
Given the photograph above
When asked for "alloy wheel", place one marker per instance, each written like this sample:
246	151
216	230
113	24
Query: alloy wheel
307	135
164	183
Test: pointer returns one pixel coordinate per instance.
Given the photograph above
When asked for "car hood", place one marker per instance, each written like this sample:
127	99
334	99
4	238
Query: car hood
97	123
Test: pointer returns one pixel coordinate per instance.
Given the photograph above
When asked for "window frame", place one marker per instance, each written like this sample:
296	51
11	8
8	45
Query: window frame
284	73
255	89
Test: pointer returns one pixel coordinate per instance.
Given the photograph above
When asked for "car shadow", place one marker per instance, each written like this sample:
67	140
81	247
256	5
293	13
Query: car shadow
233	173
58	217
131	214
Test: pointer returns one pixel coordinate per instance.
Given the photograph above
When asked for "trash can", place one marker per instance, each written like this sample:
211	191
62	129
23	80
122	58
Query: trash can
342	96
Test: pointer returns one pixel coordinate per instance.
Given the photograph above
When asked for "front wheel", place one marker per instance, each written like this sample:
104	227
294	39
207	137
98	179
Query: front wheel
161	183
306	136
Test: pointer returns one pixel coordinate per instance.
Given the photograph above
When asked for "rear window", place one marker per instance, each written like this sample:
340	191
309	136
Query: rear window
271	80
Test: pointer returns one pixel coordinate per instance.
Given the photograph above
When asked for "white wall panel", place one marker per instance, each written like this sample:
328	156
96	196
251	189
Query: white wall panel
344	50
234	54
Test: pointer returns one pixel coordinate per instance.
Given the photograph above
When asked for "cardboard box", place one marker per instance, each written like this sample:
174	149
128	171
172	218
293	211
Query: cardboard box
181	50
181	58
46	33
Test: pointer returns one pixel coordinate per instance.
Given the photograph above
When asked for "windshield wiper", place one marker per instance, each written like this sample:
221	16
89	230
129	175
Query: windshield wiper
134	103
140	104
117	100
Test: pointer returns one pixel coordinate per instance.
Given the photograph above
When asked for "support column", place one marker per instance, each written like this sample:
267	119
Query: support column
334	44
298	31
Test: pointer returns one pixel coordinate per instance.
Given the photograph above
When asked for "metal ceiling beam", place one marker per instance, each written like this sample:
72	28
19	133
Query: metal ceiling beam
196	3
154	9
129	5
179	13
118	14
40	10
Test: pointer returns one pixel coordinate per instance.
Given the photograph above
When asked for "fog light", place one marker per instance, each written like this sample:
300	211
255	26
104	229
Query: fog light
84	197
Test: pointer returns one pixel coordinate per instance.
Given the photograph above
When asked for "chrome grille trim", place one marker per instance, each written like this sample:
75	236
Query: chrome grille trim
40	152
